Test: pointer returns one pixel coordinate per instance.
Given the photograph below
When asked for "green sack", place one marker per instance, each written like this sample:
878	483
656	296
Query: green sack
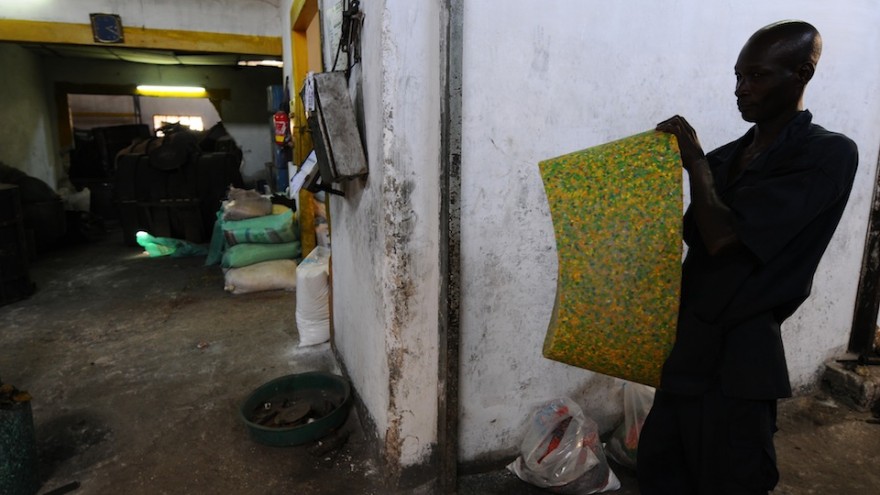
267	229
218	242
248	254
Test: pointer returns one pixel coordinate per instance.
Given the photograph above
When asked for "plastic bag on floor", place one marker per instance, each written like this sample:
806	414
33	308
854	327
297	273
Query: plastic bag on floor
624	443
267	275
166	246
562	452
313	297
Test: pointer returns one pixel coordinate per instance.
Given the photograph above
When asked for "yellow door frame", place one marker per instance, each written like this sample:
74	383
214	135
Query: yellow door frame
302	13
139	37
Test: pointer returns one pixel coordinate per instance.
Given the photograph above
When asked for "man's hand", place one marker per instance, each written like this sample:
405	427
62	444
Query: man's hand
688	142
715	221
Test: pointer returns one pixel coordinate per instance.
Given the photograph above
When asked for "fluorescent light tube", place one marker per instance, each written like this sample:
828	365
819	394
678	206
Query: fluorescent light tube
180	91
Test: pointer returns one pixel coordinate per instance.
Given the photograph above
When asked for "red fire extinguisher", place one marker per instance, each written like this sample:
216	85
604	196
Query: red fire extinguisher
282	127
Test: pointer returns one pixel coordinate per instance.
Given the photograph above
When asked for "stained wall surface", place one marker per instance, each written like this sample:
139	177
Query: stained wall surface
27	137
385	230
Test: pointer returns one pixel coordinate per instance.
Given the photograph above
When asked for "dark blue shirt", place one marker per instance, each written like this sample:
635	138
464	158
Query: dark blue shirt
786	205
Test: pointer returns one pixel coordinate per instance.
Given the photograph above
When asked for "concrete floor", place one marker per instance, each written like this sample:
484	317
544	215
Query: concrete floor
138	366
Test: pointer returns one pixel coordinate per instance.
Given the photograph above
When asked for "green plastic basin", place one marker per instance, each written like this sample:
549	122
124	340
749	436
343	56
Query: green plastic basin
315	386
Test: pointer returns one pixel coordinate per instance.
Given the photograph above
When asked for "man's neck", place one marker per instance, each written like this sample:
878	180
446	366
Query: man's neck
766	132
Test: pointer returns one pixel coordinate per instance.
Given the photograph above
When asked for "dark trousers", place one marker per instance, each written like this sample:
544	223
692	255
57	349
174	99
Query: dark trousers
707	445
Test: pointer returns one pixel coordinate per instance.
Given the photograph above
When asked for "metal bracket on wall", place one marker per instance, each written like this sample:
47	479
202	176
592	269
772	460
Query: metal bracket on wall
350	36
333	125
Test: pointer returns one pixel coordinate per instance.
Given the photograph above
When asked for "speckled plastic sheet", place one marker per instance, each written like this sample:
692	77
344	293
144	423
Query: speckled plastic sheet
616	212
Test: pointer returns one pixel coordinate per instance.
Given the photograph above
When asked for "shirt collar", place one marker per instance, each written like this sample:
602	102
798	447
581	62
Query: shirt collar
796	128
793	131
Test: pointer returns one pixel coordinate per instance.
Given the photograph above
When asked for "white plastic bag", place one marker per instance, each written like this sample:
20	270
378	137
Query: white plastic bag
624	443
313	297
267	275
562	452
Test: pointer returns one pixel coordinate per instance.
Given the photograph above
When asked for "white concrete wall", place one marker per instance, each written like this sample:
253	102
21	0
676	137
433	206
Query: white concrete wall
26	142
286	46
258	17
543	80
386	230
410	112
255	141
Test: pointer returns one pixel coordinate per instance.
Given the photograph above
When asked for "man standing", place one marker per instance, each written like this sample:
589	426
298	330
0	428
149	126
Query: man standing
763	209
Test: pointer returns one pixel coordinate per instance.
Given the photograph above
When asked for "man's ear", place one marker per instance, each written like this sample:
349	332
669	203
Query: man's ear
805	72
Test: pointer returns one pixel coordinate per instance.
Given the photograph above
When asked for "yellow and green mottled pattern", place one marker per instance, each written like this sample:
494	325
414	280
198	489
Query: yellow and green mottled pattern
616	212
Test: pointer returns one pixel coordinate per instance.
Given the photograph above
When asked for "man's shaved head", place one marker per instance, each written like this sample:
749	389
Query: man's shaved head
795	42
773	69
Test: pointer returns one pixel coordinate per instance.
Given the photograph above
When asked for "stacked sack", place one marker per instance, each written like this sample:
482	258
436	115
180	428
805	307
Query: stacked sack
313	297
256	243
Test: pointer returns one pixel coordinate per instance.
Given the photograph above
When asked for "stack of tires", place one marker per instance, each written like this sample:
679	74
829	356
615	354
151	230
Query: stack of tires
172	187
15	281
42	210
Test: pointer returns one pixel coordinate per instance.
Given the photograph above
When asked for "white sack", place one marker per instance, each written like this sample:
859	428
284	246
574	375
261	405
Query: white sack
313	297
267	275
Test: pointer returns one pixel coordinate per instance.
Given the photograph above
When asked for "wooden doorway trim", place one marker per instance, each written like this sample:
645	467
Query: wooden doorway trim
302	14
26	31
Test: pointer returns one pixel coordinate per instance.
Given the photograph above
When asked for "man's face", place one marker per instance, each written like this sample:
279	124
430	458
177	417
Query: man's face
767	83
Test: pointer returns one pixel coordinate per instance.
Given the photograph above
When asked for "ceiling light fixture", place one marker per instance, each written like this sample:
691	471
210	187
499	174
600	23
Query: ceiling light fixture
179	91
261	63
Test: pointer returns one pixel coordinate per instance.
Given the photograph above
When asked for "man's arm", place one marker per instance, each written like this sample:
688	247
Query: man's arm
713	218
